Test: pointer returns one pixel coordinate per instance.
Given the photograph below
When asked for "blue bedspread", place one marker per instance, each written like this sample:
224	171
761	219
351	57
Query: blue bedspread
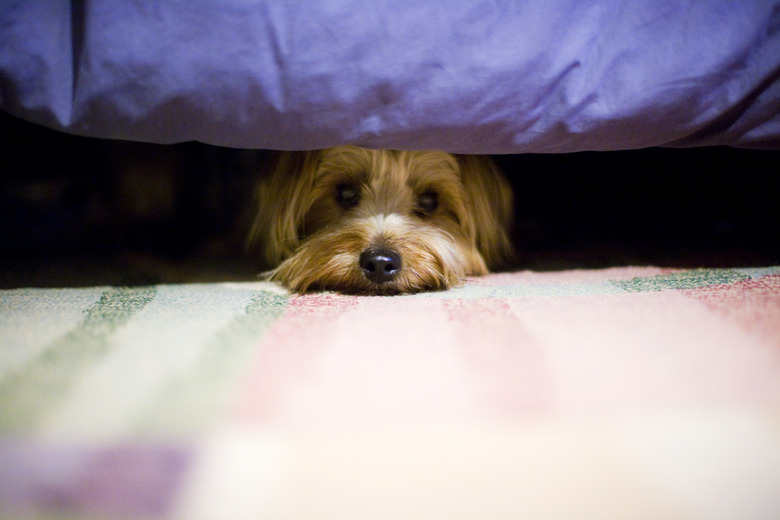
465	76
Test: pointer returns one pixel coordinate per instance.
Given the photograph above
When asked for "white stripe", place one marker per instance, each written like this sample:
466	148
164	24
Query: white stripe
164	339
31	319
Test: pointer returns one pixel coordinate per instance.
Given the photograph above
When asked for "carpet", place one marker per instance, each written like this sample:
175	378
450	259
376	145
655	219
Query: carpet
615	393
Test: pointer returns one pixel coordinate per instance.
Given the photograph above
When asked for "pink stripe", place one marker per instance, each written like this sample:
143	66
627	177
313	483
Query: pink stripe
289	353
396	360
633	353
508	361
360	360
753	305
573	277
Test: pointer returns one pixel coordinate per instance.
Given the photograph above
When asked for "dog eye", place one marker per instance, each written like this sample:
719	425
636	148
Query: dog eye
427	203
347	195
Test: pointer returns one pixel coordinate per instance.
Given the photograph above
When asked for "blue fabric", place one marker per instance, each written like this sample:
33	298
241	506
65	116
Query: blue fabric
465	76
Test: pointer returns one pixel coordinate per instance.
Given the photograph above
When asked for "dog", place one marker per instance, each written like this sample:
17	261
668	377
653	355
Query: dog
381	222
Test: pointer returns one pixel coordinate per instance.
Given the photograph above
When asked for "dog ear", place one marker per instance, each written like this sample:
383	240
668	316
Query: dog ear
489	197
283	199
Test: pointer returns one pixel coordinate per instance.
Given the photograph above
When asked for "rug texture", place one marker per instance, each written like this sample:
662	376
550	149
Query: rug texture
619	393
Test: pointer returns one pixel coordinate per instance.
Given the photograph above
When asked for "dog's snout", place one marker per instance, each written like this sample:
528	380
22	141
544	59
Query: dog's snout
380	265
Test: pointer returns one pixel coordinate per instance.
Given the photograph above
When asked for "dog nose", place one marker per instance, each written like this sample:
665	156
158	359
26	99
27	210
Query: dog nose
380	265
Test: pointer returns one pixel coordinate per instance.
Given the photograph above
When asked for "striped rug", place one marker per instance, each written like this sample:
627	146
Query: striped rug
616	393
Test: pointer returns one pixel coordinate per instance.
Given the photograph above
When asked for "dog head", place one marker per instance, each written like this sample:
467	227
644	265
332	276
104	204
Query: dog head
381	222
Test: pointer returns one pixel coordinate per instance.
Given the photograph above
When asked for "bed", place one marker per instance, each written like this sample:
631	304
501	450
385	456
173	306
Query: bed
471	77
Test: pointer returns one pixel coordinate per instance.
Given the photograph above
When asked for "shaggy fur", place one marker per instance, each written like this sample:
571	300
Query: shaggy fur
381	222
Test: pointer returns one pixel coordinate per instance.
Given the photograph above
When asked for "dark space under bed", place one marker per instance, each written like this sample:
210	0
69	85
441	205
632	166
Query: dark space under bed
77	211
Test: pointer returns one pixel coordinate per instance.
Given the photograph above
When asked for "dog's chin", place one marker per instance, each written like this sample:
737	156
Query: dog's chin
431	260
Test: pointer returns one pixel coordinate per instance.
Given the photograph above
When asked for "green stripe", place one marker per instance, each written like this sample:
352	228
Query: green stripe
194	401
35	388
693	279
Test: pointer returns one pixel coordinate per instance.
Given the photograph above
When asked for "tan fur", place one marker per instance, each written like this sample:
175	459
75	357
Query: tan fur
314	243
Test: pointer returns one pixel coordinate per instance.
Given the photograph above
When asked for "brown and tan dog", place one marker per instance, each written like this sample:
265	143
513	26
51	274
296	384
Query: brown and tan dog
381	222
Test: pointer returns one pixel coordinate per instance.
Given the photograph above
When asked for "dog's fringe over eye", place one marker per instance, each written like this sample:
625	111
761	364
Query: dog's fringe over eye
347	195
427	203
